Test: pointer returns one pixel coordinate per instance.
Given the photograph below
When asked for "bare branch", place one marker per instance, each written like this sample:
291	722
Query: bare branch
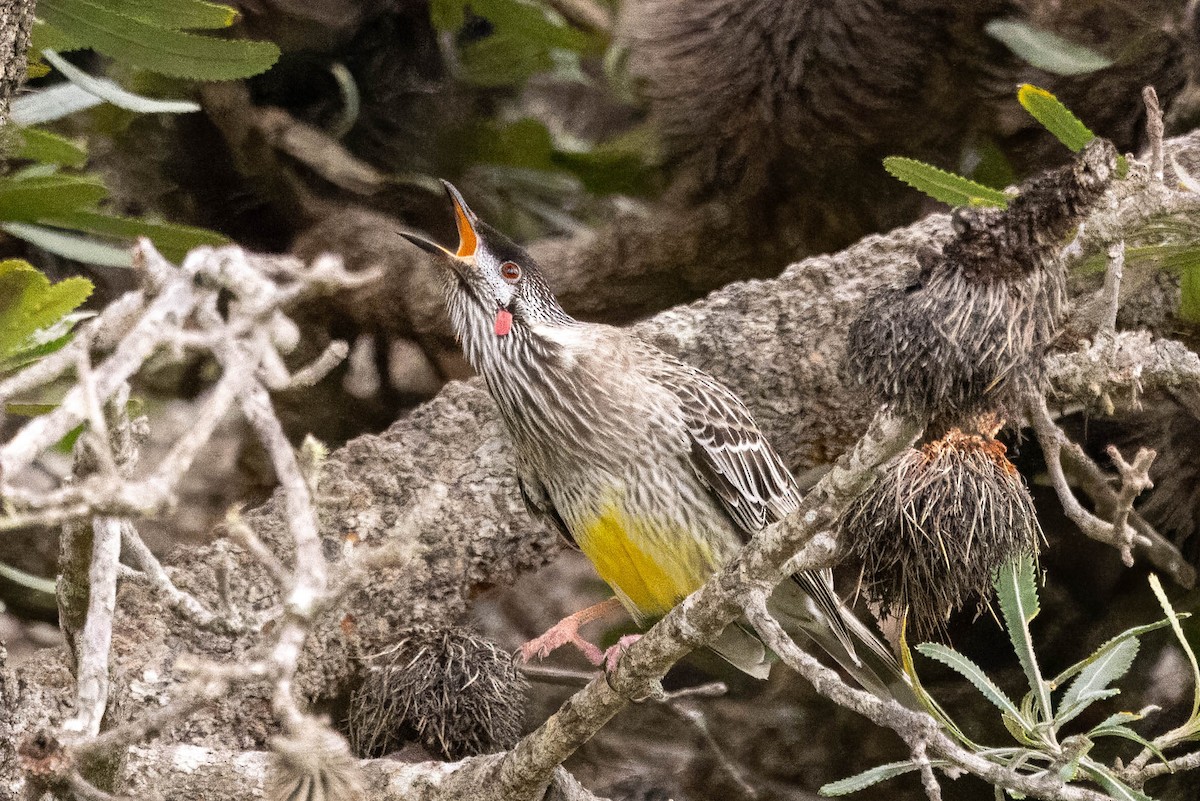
1055	445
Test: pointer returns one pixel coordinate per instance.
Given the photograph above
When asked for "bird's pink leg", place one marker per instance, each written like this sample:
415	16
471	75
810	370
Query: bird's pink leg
567	631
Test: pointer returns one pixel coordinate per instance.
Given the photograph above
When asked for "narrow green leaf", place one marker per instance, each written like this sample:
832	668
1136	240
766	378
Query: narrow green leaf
1055	117
29	303
1189	297
33	590
951	189
1045	49
26	200
972	673
173	241
871	777
1092	683
1111	784
29	409
928	701
1121	718
49	148
174	53
1128	734
78	248
111	92
175	14
1016	589
1137	631
1161	595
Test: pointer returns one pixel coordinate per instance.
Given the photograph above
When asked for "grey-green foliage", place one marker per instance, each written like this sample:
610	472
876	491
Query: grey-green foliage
155	35
1045	49
42	199
1039	723
530	176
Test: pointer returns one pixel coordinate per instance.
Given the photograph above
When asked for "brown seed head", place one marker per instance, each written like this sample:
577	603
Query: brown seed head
931	532
454	692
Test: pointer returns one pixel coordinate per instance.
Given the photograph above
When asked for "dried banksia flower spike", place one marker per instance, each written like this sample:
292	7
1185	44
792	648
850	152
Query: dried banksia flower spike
968	330
452	691
931	532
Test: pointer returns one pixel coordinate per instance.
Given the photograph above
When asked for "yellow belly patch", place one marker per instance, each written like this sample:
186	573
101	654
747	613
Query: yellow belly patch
650	567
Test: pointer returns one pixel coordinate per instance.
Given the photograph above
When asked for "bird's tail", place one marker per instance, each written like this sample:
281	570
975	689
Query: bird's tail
809	606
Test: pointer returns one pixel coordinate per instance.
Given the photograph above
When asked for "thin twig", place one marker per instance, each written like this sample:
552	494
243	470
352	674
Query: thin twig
1053	441
1112	289
1154	131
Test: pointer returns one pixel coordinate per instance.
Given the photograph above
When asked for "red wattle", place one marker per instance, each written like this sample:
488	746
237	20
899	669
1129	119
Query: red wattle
503	322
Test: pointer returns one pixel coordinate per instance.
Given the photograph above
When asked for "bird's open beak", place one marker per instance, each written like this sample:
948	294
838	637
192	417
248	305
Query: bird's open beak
465	220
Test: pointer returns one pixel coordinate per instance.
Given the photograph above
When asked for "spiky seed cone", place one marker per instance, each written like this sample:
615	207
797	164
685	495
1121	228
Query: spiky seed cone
931	532
968	331
312	763
456	693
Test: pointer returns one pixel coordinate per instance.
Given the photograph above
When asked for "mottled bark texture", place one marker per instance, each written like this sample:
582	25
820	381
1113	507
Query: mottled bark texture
437	491
16	21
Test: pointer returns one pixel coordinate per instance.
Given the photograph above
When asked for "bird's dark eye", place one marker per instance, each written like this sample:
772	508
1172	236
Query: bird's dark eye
510	272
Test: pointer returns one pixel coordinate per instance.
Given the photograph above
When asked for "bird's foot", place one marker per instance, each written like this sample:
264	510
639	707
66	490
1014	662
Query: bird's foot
612	657
566	631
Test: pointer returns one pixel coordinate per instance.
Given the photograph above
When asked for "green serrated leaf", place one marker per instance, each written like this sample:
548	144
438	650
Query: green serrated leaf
1092	683
169	52
175	14
1136	631
1055	117
972	673
1016	589
1161	595
1111	784
1045	49
951	189
28	199
48	148
871	777
29	303
1129	734
173	241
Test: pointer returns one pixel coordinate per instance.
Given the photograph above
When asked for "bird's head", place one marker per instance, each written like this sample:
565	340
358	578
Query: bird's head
492	280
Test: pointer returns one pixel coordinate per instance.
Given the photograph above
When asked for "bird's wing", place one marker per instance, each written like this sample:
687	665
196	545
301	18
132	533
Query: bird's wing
730	453
538	502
